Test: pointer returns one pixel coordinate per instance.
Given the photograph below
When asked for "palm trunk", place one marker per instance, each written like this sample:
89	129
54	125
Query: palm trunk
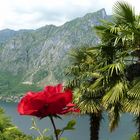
95	120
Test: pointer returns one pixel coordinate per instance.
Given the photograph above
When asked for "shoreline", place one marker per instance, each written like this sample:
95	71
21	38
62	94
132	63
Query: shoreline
12	98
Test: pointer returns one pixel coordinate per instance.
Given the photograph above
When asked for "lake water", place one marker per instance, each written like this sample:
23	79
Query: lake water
123	132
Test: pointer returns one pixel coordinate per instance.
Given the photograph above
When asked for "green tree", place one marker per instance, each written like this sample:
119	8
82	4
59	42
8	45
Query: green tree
108	76
123	34
87	85
113	69
129	34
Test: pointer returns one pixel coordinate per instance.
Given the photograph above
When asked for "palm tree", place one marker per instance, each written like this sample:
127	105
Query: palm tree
87	85
109	75
129	24
124	34
113	70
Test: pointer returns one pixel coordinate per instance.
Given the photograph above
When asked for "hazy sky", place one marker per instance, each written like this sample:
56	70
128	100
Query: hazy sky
32	14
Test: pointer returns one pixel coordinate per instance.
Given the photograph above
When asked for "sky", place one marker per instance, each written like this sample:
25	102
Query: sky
32	14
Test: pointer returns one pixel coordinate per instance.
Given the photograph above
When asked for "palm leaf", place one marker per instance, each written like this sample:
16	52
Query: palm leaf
116	93
114	116
124	13
132	103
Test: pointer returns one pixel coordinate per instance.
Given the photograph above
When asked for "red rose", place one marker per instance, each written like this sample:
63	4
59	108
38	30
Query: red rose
51	101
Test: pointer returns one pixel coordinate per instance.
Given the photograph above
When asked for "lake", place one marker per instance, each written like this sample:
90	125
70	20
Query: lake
123	132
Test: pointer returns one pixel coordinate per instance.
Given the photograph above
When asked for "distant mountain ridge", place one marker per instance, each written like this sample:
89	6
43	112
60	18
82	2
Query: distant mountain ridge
38	57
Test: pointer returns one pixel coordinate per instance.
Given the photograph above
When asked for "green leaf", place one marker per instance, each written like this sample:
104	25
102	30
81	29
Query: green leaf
45	130
70	125
58	131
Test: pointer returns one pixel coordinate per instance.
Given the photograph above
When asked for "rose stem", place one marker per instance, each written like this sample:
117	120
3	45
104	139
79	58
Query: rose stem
54	127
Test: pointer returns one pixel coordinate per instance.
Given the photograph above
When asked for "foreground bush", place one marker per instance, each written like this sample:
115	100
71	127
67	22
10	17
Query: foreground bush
8	131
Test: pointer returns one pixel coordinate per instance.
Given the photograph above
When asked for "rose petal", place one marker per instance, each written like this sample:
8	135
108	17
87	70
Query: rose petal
51	101
53	89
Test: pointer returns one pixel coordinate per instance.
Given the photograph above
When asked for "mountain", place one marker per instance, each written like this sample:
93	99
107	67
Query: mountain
34	58
6	34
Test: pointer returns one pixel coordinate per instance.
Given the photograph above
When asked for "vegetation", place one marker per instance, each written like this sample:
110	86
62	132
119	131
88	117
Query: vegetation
11	85
8	131
134	137
125	31
108	77
84	80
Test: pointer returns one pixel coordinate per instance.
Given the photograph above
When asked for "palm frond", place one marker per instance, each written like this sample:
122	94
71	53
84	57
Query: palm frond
132	106
132	102
114	117
116	93
117	68
88	105
124	13
134	92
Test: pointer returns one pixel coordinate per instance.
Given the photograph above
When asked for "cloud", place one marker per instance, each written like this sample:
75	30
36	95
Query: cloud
32	14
